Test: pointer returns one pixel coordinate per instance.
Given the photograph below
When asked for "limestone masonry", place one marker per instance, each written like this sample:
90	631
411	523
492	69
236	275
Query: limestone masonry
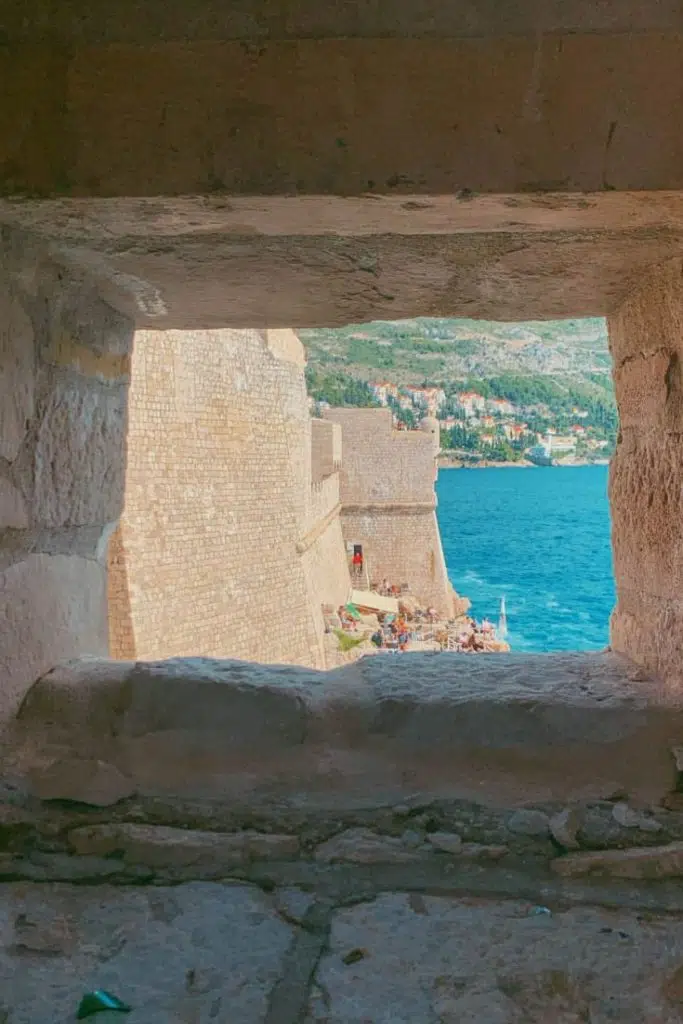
228	545
231	539
388	501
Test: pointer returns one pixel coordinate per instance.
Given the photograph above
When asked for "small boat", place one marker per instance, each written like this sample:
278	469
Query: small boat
502	630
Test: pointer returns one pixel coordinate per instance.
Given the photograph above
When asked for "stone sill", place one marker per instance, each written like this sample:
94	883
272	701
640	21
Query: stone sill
501	731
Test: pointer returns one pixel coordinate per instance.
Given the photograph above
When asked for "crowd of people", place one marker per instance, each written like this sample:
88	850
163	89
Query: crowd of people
471	638
417	628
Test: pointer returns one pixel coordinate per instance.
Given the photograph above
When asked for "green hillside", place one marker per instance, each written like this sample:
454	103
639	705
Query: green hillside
545	369
415	350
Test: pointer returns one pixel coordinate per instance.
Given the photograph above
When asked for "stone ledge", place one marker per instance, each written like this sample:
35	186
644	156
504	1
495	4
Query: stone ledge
502	730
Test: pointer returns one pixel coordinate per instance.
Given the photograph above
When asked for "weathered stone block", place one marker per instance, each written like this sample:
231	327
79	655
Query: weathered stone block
627	817
159	846
641	386
513	730
85	696
448	842
650	630
363	846
87	781
646	499
650	319
75	472
239	703
12	507
641	862
52	608
17	374
529	822
564	827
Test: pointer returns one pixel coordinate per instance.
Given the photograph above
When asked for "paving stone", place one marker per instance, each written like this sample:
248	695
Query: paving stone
84	780
644	862
363	846
293	903
475	961
192	954
159	846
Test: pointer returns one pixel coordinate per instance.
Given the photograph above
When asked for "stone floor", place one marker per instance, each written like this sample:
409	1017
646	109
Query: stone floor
231	953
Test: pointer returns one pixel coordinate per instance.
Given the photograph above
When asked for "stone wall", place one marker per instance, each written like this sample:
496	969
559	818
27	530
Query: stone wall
64	365
326	448
646	338
189	98
388	502
224	548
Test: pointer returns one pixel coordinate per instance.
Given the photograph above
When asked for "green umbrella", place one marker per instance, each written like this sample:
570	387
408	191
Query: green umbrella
353	611
97	1001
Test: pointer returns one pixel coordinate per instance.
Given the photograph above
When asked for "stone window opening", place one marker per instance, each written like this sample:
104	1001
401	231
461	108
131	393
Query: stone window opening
267	841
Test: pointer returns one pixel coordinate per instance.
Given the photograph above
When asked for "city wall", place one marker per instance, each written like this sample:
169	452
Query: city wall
388	501
226	547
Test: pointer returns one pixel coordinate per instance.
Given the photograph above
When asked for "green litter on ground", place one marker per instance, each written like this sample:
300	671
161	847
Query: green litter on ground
97	1001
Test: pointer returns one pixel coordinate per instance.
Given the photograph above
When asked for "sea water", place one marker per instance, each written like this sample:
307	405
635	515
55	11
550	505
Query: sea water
538	536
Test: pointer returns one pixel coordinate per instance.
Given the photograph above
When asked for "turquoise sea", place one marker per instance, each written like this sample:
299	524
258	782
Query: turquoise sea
541	538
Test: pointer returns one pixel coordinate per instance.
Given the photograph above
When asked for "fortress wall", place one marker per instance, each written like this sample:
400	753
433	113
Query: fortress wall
388	502
380	463
326	567
326	448
217	497
402	544
323	500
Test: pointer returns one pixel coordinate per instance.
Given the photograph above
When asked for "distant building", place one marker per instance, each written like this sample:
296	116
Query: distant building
471	403
559	445
429	399
382	389
501	407
515	431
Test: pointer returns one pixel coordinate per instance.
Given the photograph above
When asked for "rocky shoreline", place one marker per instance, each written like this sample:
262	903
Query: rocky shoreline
444	462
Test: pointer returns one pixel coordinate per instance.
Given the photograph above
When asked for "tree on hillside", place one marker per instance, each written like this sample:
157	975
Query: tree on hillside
339	389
